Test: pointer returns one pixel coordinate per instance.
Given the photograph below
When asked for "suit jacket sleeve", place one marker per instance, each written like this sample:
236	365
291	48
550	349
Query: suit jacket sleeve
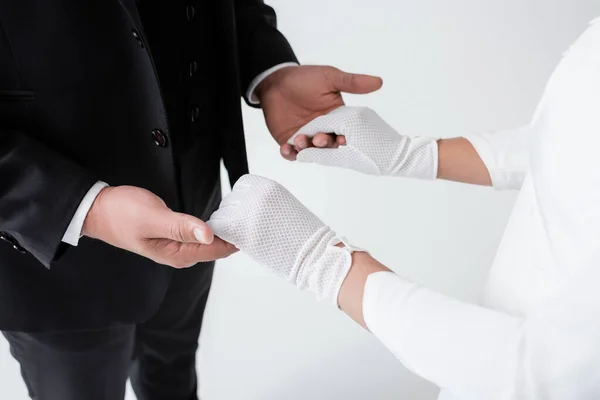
40	191
260	45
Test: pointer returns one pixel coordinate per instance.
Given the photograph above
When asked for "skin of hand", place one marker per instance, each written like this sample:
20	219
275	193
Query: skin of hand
295	95
137	220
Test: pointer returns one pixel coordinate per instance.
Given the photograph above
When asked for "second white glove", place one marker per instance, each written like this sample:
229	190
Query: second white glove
372	146
261	218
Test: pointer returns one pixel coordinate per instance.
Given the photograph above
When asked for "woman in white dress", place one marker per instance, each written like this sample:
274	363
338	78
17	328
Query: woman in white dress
536	334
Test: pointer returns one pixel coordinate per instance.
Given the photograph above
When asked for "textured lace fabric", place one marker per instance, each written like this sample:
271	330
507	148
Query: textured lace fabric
372	146
264	220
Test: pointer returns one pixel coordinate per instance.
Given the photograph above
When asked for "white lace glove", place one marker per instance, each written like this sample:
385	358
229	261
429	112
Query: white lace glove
372	146
261	218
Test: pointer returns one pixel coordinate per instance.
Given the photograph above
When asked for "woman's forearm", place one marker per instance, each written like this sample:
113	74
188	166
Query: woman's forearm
350	298
480	353
471	351
496	158
458	161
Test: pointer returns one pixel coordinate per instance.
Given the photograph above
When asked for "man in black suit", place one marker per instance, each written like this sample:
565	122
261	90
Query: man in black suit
142	96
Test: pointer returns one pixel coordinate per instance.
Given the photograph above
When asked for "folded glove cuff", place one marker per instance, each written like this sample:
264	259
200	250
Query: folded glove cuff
324	272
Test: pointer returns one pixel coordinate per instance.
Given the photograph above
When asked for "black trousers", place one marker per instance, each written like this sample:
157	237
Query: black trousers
158	355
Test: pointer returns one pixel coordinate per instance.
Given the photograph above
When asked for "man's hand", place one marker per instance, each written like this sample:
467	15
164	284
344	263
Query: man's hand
293	96
136	220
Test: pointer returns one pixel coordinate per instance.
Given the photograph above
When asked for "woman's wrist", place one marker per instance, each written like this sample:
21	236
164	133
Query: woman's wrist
350	298
458	161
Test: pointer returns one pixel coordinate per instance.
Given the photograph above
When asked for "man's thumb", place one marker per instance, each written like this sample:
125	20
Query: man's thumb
356	83
187	229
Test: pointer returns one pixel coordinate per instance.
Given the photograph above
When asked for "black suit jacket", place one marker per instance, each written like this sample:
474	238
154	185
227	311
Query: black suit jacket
144	94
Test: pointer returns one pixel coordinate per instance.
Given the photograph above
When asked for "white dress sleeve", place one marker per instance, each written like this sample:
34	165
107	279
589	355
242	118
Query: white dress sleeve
505	153
478	353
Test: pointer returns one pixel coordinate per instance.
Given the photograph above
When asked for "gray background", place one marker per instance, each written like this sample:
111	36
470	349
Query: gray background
450	68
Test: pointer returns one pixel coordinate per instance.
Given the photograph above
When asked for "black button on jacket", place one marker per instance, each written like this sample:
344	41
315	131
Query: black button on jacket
144	94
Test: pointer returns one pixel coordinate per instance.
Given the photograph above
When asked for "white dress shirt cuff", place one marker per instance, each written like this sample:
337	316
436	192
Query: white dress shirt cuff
73	233
258	80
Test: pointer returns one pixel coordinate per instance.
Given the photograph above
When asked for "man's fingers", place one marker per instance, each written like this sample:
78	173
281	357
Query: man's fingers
324	124
321	140
355	83
183	255
324	140
302	142
340	140
192	253
288	152
218	249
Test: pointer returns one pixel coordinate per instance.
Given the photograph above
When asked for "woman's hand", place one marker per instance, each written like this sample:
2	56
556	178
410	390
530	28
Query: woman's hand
261	218
371	145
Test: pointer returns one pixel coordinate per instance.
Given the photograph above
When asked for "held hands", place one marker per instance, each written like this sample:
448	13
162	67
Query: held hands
263	219
372	146
293	96
136	220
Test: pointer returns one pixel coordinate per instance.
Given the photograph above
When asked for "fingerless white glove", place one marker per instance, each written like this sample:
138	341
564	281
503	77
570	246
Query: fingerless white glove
261	218
372	146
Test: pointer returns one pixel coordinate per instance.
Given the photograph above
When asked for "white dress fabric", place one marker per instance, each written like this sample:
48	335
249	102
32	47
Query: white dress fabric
536	334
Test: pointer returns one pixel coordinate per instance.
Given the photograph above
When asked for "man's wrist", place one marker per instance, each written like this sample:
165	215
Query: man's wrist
265	80
75	228
90	223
